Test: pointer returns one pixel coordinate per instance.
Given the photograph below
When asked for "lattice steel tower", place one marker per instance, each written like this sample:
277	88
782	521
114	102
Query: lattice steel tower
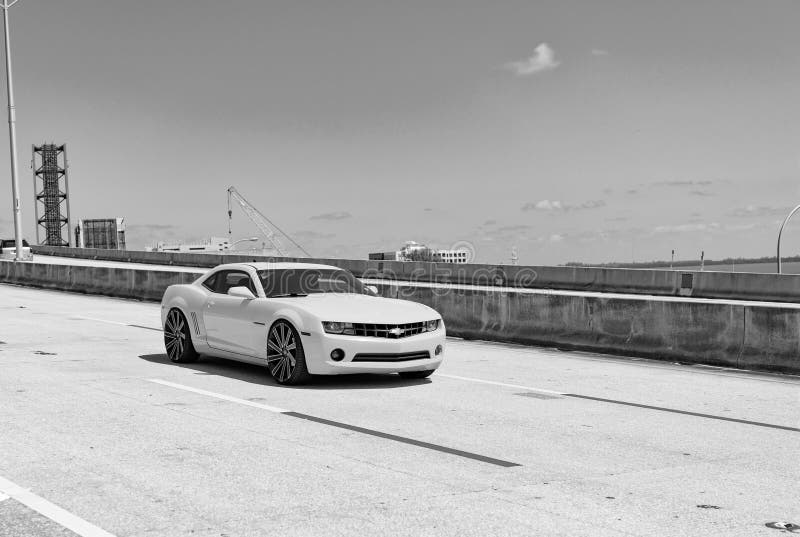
49	165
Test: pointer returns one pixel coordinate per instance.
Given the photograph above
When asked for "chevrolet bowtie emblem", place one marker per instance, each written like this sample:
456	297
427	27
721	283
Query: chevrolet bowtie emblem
396	332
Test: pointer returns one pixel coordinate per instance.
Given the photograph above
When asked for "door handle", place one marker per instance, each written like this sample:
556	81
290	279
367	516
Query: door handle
211	303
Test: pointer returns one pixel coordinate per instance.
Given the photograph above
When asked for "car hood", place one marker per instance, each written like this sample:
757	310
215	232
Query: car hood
353	308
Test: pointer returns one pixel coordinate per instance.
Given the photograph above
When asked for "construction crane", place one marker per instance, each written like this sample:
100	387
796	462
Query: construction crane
264	224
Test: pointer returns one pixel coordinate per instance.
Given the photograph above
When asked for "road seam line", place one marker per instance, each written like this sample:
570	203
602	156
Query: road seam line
624	403
224	397
101	320
685	412
341	425
117	323
145	327
50	510
495	383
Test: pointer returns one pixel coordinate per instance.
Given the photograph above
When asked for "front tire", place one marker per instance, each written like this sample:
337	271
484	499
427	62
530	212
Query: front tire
416	374
178	339
286	360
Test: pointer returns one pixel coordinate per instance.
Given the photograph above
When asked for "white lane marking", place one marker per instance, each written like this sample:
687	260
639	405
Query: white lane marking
515	386
219	396
101	320
52	511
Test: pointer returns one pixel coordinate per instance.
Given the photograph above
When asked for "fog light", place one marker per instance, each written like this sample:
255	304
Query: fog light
337	355
439	350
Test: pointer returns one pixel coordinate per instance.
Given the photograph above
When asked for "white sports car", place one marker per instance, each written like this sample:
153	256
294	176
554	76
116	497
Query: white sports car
300	319
8	249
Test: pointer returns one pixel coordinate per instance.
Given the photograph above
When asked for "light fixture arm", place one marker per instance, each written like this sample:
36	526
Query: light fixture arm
780	232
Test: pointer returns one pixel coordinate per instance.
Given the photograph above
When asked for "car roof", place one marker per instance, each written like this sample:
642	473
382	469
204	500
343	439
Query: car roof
275	266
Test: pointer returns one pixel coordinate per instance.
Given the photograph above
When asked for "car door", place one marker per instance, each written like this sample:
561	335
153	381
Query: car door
229	320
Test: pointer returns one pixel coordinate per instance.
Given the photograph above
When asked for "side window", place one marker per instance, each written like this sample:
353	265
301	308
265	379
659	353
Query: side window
210	283
234	278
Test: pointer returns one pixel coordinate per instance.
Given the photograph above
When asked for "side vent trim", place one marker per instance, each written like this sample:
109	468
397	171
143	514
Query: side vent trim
196	324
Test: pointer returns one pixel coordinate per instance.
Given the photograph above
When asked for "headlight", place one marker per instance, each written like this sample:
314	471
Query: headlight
335	327
430	326
332	327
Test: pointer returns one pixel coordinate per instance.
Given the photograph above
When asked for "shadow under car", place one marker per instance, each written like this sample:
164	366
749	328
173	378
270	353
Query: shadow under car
254	374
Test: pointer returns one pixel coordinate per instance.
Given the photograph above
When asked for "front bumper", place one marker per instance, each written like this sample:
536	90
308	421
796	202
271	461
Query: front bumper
318	346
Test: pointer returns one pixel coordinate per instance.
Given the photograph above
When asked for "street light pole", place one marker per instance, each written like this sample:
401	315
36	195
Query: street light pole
780	232
12	134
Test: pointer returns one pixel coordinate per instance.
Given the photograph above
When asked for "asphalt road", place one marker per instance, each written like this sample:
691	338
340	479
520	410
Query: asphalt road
101	433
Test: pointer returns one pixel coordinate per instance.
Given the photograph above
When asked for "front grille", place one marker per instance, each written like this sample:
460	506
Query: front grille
391	357
394	331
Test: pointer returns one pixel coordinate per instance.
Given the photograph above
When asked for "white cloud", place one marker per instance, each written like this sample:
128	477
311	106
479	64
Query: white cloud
591	204
557	206
683	183
761	210
544	205
543	59
599	52
517	230
687	228
336	215
310	234
743	227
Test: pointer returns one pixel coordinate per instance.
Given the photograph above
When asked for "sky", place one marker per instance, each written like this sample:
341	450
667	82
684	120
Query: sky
586	131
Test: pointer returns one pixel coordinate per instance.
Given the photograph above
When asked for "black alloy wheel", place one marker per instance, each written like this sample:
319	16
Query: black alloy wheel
178	339
286	360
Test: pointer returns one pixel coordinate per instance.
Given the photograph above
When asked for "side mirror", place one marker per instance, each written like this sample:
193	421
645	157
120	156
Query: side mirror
241	292
372	289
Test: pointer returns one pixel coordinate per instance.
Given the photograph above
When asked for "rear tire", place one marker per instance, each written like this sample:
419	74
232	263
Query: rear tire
416	374
286	360
178	339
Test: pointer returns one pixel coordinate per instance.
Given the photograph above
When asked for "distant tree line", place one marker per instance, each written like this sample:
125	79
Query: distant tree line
689	263
419	254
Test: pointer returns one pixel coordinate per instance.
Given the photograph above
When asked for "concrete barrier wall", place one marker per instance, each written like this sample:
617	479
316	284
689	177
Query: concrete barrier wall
702	332
738	285
738	334
752	286
716	332
109	281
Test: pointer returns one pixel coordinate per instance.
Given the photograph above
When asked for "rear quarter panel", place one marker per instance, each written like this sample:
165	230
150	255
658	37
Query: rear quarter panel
188	298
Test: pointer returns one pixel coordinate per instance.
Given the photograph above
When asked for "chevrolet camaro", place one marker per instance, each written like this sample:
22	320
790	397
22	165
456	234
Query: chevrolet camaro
8	249
299	319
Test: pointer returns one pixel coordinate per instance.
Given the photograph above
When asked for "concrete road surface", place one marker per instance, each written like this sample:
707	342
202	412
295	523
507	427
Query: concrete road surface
101	435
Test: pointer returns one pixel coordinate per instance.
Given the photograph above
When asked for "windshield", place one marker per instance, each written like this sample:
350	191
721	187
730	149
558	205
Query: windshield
301	282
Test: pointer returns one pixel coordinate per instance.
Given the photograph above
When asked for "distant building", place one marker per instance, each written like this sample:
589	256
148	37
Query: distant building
213	244
451	256
414	251
103	233
385	256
